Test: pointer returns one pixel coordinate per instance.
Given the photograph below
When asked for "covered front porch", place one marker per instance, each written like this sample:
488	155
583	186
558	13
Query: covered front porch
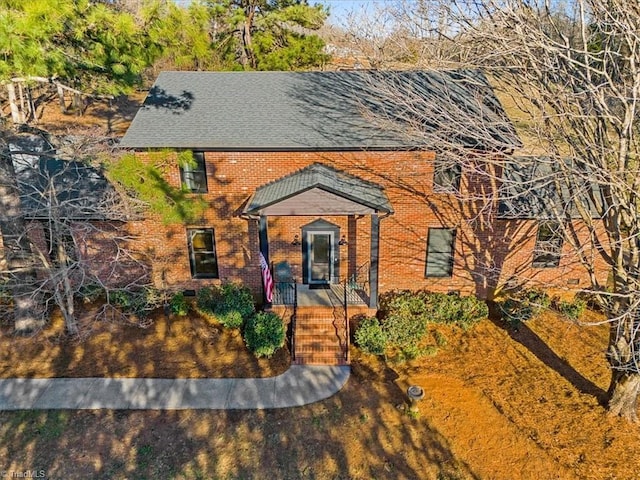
319	232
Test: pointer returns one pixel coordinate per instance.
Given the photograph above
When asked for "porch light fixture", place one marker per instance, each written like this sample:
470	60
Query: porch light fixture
296	240
343	241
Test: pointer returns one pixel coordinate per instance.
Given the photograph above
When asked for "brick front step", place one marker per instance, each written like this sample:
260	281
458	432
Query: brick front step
317	346
316	359
318	330
316	338
302	319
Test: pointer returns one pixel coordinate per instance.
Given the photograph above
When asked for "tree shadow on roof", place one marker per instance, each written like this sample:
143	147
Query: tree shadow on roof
159	98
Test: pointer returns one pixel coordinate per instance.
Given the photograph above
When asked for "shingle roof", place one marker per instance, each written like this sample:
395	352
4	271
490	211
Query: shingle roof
326	178
81	191
311	110
539	188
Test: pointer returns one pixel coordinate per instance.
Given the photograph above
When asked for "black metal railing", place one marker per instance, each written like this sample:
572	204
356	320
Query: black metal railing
356	285
284	293
346	324
293	321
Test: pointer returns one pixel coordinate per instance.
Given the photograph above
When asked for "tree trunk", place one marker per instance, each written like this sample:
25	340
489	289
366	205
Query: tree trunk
64	291
16	114
248	59
623	395
18	253
63	104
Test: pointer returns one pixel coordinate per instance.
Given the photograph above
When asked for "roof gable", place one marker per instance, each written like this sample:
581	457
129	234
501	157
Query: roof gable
319	176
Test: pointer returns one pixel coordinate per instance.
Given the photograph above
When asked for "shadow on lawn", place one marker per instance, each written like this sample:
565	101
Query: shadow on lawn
358	433
529	339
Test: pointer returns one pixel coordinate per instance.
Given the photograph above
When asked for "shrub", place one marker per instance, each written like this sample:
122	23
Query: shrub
434	307
523	305
403	330
230	304
471	311
136	302
234	306
370	337
206	301
179	305
572	310
264	334
406	314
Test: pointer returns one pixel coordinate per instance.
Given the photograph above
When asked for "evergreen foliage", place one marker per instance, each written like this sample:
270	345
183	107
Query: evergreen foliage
268	34
231	304
88	45
405	317
147	181
179	305
264	334
370	337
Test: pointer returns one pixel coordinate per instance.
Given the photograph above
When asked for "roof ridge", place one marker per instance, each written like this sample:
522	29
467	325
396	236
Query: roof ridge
313	167
288	175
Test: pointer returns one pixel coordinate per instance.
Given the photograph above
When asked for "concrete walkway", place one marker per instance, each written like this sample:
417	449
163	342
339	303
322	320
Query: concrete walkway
300	385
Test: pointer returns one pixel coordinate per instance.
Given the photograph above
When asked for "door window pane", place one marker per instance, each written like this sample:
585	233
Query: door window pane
320	256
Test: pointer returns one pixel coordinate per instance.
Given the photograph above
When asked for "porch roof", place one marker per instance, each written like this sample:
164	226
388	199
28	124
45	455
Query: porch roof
320	178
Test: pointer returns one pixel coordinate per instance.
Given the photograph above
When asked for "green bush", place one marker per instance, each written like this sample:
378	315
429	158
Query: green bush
572	310
370	337
406	314
136	302
403	330
206	300
264	334
230	304
179	305
433	307
235	305
523	305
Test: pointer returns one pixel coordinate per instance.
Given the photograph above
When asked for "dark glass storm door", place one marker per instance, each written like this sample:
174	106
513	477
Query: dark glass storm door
320	257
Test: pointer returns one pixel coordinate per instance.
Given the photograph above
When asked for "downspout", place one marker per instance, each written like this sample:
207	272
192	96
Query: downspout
374	258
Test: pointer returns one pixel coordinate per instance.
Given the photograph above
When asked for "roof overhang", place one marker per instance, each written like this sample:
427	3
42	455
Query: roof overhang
318	190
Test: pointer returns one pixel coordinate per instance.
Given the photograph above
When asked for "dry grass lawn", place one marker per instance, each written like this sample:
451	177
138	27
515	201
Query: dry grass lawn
499	405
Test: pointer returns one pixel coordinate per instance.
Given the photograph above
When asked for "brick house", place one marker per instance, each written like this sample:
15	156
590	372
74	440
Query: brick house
293	166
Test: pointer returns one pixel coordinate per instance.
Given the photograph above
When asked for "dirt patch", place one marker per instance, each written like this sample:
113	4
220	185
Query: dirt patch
528	402
167	347
108	117
499	405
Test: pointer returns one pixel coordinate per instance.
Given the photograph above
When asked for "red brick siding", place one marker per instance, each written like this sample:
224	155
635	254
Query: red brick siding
488	252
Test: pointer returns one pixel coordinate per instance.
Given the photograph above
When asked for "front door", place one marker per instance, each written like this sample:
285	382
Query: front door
320	257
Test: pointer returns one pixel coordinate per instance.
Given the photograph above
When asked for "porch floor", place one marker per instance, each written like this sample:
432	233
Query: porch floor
329	296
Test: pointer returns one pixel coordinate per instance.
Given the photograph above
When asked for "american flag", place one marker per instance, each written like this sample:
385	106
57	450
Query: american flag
267	280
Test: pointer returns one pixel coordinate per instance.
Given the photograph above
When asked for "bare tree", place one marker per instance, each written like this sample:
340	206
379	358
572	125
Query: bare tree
400	34
71	223
571	76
